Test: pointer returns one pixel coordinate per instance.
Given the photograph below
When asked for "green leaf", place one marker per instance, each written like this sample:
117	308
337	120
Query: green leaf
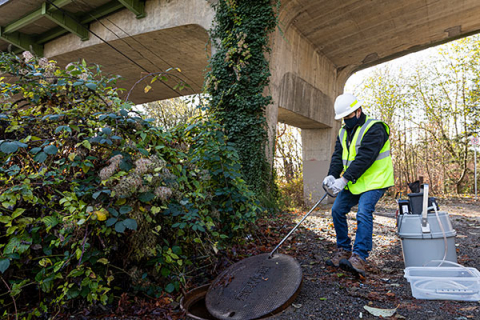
165	272
107	131
8	147
17	212
110	222
130	224
146	197
125	209
91	86
64	128
113	212
4	264
143	151
73	293
17	245
76	272
20	144
35	150
50	149
50	222
5	219
41	157
120	227
170	287
87	144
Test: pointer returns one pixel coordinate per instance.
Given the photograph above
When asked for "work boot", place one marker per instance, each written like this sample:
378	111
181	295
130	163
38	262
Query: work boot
337	257
355	264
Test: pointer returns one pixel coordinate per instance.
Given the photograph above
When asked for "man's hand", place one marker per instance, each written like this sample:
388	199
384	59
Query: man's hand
338	185
329	181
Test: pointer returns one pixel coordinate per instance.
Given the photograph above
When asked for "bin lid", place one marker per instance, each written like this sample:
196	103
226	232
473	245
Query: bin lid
410	226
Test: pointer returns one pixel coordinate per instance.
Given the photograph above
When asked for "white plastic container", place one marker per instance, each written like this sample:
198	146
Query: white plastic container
450	281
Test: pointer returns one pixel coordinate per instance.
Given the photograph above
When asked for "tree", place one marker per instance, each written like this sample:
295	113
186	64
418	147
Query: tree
171	112
288	158
432	108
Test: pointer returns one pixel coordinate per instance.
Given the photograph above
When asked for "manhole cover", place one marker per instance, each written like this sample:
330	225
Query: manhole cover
254	287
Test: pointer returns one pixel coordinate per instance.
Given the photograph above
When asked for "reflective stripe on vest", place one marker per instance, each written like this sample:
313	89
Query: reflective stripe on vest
380	156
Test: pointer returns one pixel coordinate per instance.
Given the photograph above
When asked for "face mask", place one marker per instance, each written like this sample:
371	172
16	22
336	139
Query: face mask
352	122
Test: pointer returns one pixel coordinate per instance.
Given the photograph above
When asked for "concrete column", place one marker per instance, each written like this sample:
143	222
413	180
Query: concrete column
317	145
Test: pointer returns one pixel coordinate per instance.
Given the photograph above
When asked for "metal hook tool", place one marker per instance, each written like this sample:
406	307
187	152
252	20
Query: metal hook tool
304	217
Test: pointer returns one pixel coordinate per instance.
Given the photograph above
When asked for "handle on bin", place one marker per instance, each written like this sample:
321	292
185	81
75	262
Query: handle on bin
425	225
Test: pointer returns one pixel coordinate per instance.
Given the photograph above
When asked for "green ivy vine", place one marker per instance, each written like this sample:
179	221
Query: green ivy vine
239	73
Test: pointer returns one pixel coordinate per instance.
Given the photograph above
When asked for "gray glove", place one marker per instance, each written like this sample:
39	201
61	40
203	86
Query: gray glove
339	185
329	181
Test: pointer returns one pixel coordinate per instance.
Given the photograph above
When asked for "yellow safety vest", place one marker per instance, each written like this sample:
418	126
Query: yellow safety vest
380	173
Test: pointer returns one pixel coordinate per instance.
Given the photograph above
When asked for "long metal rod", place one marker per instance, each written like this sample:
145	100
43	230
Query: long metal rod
475	161
294	228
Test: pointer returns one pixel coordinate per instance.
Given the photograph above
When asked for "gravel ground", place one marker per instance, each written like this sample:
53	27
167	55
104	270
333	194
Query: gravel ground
328	293
332	294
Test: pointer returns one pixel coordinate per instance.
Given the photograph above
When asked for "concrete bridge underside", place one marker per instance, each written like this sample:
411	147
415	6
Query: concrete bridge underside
318	45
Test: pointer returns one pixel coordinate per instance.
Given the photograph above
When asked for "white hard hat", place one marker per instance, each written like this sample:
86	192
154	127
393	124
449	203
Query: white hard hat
345	104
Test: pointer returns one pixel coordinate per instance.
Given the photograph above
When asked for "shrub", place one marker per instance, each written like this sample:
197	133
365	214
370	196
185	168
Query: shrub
292	194
95	199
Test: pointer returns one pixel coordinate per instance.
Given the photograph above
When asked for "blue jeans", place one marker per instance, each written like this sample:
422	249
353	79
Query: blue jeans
366	206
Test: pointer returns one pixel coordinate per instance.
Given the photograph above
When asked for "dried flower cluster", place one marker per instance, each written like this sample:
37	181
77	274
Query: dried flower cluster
107	172
164	193
145	177
142	166
28	56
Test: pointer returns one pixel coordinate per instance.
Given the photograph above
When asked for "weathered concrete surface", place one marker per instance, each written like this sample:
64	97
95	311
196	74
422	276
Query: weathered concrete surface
318	45
303	86
324	42
172	35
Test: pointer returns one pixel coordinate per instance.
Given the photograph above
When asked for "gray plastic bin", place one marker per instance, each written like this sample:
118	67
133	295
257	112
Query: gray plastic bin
421	247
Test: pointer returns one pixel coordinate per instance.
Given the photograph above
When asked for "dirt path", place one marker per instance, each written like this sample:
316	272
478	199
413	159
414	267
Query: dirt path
332	294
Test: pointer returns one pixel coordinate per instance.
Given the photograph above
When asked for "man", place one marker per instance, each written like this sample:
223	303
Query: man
362	153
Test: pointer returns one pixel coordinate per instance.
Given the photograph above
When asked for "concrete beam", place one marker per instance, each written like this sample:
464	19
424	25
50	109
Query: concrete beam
88	17
136	6
22	41
306	84
303	105
65	21
32	17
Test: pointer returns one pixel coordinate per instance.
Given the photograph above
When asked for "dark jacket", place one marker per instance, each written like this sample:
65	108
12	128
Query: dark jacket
372	143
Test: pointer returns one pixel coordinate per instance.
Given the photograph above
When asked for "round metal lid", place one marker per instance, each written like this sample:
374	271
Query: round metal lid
254	287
